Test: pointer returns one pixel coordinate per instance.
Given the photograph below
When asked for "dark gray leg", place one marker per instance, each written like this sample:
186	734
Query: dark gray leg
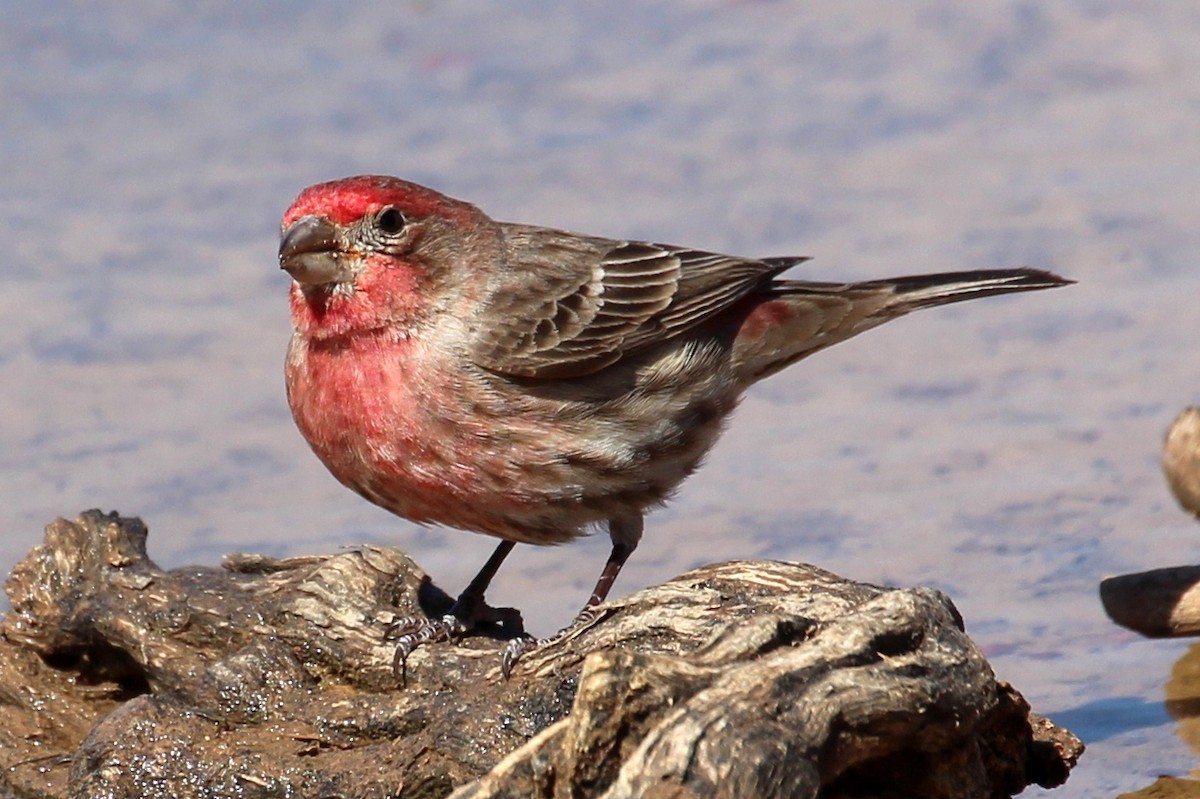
467	612
625	535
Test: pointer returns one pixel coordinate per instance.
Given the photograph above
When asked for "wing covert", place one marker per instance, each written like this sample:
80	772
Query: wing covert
570	305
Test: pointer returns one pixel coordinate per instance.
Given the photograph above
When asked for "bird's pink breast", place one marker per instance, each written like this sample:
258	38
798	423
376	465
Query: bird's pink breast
376	415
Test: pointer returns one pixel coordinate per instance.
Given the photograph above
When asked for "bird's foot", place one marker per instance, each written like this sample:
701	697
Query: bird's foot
409	632
518	647
515	649
464	616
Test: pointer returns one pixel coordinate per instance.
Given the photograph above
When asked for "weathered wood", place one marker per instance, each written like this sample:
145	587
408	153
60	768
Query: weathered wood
271	678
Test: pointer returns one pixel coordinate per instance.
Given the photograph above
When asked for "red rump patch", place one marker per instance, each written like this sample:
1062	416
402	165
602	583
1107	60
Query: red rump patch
763	316
350	199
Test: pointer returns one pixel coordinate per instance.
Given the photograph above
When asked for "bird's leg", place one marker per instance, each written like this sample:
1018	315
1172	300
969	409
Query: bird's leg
467	613
625	534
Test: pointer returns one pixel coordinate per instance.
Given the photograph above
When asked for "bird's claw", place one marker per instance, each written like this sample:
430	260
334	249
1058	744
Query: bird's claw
518	647
410	632
423	629
514	650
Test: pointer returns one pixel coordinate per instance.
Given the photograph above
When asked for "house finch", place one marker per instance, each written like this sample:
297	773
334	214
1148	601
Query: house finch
531	383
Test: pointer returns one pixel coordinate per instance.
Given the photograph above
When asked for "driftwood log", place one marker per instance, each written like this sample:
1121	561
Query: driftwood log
271	678
1165	603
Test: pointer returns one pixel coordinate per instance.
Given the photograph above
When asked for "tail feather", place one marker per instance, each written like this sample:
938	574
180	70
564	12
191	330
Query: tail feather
924	291
806	317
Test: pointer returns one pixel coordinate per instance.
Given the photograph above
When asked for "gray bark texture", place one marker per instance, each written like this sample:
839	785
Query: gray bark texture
272	678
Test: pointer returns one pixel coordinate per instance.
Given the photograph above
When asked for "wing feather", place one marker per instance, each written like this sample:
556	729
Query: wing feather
569	305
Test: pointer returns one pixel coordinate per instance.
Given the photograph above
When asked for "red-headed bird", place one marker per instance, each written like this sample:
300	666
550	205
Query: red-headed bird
531	383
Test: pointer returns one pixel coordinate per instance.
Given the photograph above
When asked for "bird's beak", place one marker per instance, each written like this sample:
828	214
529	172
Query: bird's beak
311	253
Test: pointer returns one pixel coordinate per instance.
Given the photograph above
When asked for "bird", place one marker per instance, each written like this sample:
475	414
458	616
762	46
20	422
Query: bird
534	384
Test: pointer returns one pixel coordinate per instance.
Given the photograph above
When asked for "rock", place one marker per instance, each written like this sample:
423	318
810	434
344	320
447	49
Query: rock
1165	602
1181	459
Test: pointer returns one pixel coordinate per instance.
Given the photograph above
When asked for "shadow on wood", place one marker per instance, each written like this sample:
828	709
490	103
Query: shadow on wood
271	678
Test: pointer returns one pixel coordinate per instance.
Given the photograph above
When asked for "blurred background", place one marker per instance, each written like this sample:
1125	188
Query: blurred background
1005	451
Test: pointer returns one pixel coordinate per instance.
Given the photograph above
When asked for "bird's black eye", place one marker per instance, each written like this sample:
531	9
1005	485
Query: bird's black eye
390	221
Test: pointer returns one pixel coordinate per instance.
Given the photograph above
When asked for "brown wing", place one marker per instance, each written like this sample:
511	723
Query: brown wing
570	305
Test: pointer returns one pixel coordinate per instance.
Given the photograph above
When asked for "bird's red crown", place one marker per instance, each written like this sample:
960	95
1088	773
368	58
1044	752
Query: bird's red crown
350	199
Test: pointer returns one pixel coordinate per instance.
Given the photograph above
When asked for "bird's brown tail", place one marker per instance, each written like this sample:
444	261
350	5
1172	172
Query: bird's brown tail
925	291
806	317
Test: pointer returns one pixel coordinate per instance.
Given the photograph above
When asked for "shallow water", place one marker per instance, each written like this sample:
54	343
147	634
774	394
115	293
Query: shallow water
1005	451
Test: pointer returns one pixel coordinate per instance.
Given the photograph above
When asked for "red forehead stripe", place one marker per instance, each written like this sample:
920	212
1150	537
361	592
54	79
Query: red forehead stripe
350	199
